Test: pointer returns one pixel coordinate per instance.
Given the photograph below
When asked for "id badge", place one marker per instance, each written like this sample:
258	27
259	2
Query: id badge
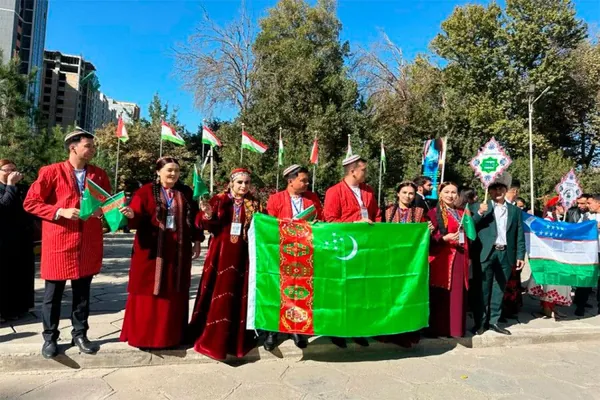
236	229
364	213
171	222
461	237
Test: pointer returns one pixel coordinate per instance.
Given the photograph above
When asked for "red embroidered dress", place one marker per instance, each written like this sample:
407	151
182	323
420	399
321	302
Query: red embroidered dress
156	313
448	277
218	325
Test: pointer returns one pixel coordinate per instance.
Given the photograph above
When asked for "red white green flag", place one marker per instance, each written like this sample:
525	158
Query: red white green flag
122	131
314	152
93	197
250	143
208	137
168	133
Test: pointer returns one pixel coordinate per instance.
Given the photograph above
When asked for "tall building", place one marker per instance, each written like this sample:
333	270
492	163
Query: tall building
129	111
70	95
23	34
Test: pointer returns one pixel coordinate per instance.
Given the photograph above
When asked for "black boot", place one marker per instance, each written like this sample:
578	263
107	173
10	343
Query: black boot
85	346
300	341
361	341
339	342
270	341
49	349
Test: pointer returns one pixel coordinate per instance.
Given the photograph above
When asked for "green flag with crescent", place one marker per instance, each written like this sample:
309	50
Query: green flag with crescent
344	280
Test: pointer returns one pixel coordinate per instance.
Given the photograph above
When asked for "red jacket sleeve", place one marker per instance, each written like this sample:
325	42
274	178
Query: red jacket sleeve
138	207
318	206
40	190
436	235
332	210
273	206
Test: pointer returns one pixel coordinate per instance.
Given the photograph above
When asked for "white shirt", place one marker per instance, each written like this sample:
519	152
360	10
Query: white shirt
587	215
80	177
297	205
501	217
595	217
356	190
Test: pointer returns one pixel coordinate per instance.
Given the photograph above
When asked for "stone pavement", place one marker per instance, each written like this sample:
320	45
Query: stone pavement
549	371
20	350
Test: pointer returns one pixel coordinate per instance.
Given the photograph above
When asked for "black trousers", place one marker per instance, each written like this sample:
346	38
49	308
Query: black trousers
582	296
80	307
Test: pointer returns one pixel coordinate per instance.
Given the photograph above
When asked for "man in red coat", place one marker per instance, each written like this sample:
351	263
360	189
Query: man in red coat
71	247
287	204
351	200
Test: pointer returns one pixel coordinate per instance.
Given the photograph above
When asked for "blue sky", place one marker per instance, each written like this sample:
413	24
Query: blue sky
130	41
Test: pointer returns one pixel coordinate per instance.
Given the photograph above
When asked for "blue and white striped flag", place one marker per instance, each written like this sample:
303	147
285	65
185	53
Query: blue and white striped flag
562	253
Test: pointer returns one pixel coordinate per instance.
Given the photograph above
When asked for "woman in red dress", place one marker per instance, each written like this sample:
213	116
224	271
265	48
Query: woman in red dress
218	325
164	215
449	266
404	211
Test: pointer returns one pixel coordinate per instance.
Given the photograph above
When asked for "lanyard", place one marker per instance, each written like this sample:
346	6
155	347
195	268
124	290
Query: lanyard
358	197
297	210
454	214
168	200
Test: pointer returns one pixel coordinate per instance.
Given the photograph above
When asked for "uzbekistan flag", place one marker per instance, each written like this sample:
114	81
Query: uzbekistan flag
249	143
168	133
562	253
335	279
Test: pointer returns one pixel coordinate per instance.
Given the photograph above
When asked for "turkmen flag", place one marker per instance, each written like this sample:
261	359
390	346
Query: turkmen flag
469	226
335	279
114	218
200	188
561	253
93	197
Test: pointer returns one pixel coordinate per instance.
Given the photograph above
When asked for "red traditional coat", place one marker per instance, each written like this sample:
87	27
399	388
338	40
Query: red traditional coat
70	249
280	204
341	204
442	254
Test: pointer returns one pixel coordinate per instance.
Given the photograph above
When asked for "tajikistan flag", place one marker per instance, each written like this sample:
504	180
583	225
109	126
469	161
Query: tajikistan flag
249	143
343	280
168	133
561	253
208	137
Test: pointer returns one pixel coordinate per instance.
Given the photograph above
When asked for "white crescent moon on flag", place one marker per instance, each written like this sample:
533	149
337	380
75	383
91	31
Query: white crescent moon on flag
352	253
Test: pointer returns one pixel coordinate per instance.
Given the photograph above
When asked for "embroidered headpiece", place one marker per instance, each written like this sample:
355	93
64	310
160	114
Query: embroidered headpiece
238	172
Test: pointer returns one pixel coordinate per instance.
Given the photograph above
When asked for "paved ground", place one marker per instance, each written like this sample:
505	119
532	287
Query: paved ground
552	371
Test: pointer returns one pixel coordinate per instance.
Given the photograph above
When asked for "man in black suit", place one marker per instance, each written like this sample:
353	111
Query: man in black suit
424	188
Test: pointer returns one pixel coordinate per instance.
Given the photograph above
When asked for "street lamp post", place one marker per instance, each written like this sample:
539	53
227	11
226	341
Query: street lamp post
531	102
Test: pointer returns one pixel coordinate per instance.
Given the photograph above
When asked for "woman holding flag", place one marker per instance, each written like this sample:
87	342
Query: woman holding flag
164	215
449	266
218	325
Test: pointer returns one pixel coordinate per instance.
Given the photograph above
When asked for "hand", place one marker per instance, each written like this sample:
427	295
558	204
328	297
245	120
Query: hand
483	208
430	226
127	211
14	178
206	209
98	213
520	264
196	250
69	213
451	237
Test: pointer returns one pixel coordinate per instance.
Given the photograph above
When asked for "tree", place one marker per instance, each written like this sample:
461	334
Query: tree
302	85
138	156
217	61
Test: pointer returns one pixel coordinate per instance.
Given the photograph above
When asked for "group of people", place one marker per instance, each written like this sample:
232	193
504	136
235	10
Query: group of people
170	228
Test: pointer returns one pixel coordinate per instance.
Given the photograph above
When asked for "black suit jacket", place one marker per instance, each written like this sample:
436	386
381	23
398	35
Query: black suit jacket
573	214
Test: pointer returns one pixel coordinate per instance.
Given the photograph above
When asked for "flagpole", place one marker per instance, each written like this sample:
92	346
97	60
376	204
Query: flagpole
117	166
380	175
444	159
202	137
277	182
212	169
242	147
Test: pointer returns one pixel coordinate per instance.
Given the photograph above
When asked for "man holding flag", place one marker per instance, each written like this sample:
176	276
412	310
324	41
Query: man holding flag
288	204
55	197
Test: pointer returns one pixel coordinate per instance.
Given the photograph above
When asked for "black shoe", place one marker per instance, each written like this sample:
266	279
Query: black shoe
270	341
580	312
361	341
339	342
300	341
588	305
498	329
49	350
478	330
85	346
